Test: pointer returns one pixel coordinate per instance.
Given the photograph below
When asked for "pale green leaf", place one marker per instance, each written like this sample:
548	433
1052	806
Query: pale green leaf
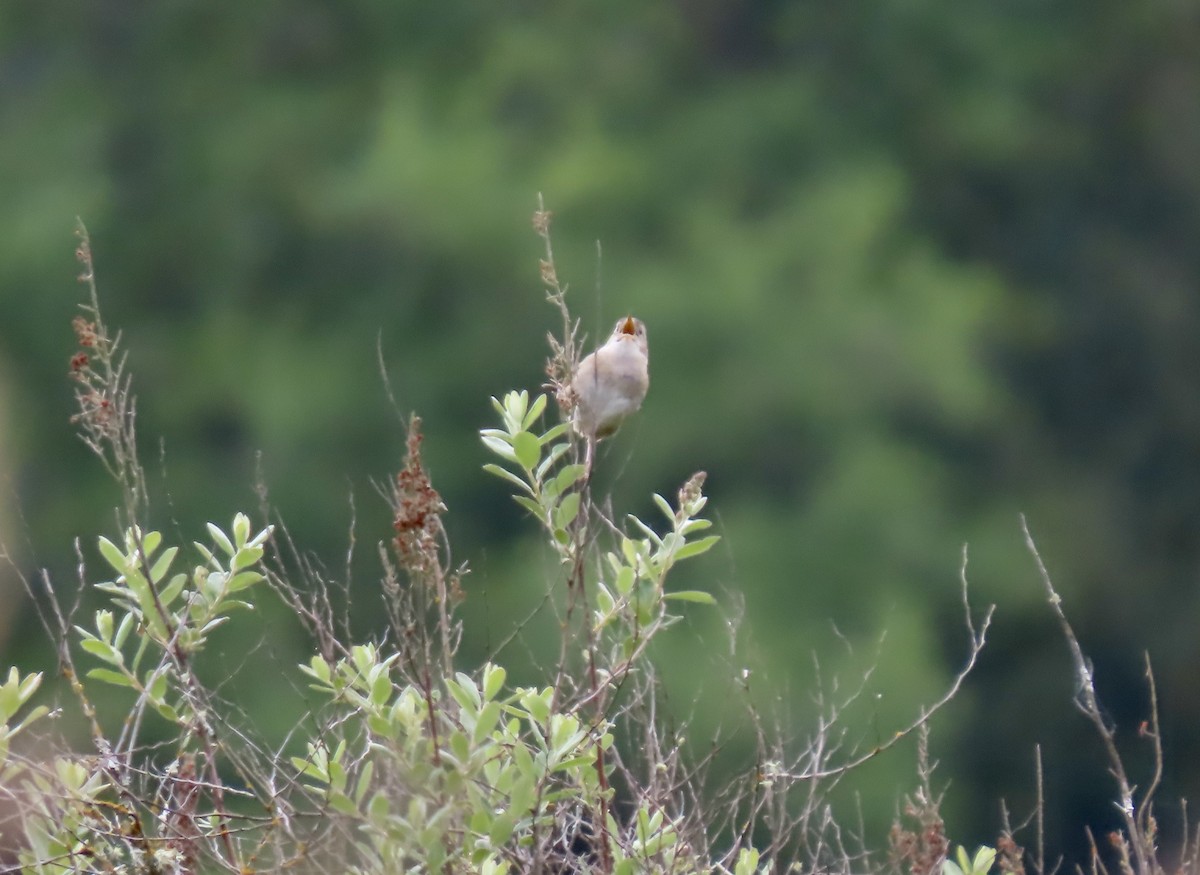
112	554
535	410
691	595
568	476
220	539
505	474
527	449
162	564
695	548
110	677
530	505
501	448
554	433
567	510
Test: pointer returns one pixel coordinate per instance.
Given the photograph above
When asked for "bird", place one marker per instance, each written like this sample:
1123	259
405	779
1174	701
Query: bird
610	385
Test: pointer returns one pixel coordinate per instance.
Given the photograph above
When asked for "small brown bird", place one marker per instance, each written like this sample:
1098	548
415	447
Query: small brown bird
611	384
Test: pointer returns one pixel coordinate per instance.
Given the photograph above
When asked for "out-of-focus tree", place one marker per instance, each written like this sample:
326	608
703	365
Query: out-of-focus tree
907	268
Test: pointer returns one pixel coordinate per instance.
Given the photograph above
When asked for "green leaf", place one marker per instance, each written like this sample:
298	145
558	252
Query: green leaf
104	625
502	826
206	553
664	506
653	535
984	858
35	714
318	668
171	591
604	601
489	716
364	782
515	405
28	686
305	766
567	510
241	529
110	677
123	631
156	688
162	564
523	760
464	692
747	862
691	595
556	452
493	680
554	433
523	796
242	580
500	447
261	538
567	477
527	449
569	765
530	505
221	539
379	807
537	704
112	554
101	650
539	404
246	556
10	699
695	548
381	689
150	543
460	746
625	579
342	803
505	474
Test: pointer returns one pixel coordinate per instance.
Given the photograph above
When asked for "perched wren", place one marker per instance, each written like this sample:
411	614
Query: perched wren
610	384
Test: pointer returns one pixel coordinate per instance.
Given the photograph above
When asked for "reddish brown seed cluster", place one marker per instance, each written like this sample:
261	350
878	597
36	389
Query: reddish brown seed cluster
691	491
560	384
85	332
417	507
95	410
95	402
1010	856
921	853
87	338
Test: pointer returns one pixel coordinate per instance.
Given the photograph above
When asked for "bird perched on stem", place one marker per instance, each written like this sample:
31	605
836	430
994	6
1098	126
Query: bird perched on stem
610	384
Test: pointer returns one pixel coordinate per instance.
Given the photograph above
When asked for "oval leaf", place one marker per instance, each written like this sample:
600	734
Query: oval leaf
692	595
527	449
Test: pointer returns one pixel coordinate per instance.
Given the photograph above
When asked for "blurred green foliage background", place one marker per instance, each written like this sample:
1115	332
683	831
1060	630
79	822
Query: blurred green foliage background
908	268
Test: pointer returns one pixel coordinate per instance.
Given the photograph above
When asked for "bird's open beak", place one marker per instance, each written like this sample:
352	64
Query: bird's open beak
629	327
